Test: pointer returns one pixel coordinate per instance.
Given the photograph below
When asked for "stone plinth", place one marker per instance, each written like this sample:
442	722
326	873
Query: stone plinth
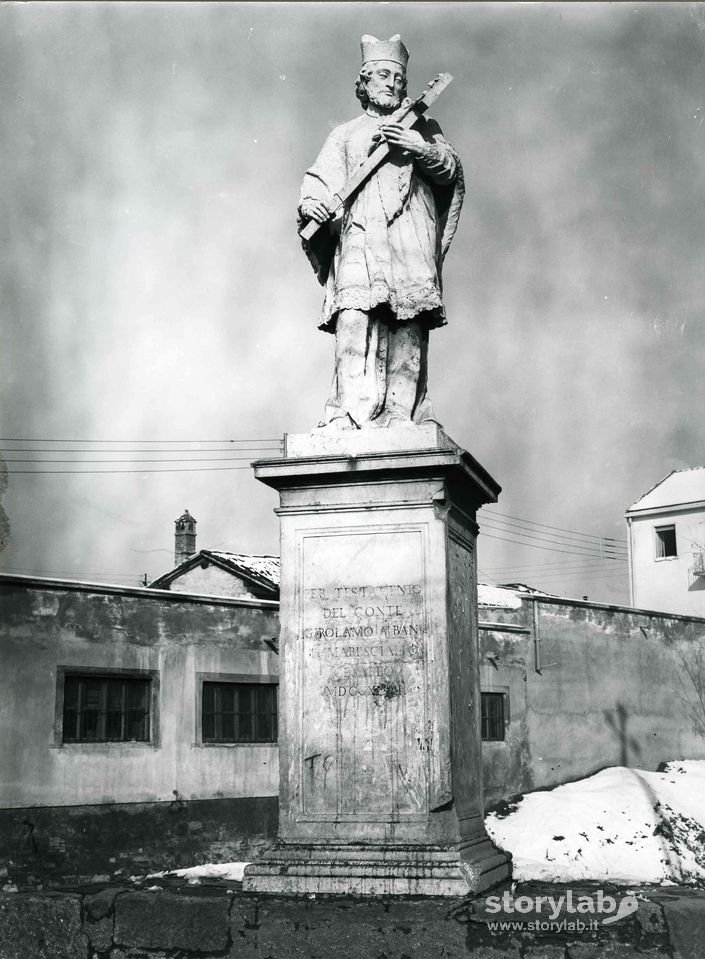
402	439
380	752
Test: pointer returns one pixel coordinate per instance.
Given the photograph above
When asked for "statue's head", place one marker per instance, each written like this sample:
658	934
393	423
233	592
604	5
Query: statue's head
382	77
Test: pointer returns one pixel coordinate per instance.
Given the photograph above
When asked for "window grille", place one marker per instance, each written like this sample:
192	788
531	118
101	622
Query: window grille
239	712
493	716
106	709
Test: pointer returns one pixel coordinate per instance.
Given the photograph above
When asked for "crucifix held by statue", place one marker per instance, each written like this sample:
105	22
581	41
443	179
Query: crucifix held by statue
379	252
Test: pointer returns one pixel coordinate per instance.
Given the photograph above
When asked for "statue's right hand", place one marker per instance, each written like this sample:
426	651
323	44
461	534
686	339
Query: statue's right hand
315	210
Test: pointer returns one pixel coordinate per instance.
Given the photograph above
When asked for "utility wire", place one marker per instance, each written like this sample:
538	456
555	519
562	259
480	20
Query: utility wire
104	572
205	459
72	574
196	469
258	444
485	573
572	574
26	439
539	575
553	549
531	540
590	563
556	578
597	542
602	547
548	561
239	449
569	566
561	529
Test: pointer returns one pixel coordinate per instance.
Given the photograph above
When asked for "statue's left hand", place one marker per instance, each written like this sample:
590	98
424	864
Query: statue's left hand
398	136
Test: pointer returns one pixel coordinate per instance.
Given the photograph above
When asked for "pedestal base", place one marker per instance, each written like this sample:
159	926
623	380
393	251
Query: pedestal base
379	737
296	869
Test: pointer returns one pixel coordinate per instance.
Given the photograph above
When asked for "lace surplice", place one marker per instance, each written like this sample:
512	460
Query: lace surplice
389	249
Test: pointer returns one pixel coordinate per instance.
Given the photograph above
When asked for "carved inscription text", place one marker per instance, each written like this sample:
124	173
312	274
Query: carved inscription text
363	645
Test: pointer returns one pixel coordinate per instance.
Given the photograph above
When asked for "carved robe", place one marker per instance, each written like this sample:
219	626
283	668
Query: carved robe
380	261
388	245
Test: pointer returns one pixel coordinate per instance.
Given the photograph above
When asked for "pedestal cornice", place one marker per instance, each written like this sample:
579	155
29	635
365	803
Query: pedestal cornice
434	454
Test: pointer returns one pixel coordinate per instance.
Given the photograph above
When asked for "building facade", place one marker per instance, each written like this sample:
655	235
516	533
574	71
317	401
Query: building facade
585	686
106	693
114	695
666	528
135	713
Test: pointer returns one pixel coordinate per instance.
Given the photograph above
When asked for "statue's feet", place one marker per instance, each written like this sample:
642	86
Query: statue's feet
388	419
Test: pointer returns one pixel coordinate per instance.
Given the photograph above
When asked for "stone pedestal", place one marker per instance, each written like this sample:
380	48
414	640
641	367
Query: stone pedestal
380	751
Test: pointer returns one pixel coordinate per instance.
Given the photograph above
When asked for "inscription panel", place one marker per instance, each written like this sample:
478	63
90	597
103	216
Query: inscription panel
363	644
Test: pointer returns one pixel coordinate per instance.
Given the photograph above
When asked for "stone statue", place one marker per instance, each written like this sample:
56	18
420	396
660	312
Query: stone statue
380	256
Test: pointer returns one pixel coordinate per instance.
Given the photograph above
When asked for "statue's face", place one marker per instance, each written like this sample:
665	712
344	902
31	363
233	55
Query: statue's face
386	84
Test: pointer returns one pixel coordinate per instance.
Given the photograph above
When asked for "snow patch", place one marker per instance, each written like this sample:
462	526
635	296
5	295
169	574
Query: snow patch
620	825
229	871
497	597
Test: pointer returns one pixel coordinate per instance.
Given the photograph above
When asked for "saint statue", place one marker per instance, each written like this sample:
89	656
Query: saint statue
380	256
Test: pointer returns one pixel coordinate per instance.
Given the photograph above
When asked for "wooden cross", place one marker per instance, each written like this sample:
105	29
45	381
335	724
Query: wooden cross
408	116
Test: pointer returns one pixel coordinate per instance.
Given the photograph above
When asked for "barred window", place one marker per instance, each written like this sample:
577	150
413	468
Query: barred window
493	716
106	709
239	712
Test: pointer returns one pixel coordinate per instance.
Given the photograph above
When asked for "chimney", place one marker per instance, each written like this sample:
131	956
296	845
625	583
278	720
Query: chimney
184	537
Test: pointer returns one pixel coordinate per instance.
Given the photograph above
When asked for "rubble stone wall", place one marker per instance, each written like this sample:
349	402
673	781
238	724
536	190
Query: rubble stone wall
217	923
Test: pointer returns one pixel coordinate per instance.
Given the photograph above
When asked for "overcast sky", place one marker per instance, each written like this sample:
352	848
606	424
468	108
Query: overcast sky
153	286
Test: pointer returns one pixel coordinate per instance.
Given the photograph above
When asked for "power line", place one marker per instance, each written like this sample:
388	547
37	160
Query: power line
239	449
196	469
103	572
551	562
573	574
555	528
558	565
619	570
568	574
554	583
561	529
205	459
553	549
547	538
23	570
531	539
485	573
26	439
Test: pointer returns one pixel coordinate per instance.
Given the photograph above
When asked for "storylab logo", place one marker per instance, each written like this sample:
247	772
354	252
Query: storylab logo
564	912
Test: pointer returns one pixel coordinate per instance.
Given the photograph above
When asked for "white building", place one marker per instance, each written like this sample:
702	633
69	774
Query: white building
667	545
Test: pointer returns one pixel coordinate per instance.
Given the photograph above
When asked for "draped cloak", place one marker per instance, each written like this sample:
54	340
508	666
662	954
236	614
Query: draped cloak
386	246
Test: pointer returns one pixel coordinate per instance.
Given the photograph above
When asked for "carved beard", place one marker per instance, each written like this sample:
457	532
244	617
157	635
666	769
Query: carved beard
384	101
